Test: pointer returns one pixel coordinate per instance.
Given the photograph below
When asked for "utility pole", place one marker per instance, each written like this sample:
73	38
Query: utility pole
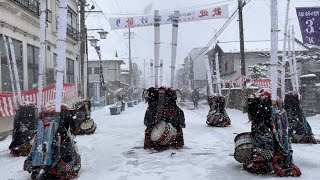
130	61
84	77
130	58
242	58
191	75
83	42
86	66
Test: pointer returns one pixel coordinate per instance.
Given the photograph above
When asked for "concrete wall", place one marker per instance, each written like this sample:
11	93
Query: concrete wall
234	59
111	70
199	64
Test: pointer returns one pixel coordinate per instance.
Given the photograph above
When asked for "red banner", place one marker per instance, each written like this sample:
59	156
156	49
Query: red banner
7	105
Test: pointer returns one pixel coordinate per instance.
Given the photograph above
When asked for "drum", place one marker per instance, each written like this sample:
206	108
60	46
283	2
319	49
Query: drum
163	133
243	147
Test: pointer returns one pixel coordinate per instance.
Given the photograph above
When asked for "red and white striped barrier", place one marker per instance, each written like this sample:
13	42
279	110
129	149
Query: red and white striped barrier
240	80
6	99
262	83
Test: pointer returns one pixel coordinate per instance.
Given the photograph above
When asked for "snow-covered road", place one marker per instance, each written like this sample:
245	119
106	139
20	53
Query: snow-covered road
115	151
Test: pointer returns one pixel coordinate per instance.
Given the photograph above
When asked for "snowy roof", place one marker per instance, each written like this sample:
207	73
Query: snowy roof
254	46
308	75
111	60
124	72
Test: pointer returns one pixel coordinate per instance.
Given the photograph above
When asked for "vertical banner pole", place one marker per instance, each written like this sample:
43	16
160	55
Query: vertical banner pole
157	20
274	50
209	78
284	54
175	21
10	72
161	72
218	74
15	70
151	74
61	49
294	59
42	51
290	63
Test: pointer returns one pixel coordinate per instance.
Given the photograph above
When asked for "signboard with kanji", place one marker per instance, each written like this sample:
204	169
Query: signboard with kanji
185	16
309	20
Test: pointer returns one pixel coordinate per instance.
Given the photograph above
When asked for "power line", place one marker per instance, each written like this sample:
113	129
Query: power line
225	25
109	23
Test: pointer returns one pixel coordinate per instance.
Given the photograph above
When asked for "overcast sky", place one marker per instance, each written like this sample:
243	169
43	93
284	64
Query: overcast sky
191	34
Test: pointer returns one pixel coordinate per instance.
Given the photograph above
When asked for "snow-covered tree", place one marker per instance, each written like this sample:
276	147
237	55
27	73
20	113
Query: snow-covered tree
258	71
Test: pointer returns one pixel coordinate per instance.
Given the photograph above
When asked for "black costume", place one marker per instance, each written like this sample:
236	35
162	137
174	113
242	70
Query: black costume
163	107
217	115
270	139
299	129
24	128
54	154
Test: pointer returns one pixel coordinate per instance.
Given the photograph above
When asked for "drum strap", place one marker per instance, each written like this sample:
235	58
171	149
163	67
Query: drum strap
160	106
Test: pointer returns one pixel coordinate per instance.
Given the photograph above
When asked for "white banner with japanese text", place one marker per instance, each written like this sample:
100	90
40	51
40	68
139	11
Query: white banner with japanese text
218	12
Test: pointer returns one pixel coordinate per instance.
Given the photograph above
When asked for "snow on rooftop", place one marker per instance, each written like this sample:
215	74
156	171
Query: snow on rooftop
254	46
308	75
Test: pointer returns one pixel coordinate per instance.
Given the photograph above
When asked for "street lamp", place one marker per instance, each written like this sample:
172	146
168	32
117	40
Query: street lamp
103	34
93	42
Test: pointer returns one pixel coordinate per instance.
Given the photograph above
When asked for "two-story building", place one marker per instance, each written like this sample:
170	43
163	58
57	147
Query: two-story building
111	74
193	74
255	52
136	76
19	20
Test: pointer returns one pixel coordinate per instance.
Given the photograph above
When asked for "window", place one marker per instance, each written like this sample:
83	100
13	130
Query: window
72	21
6	81
30	5
70	70
89	70
55	59
51	72
96	70
33	65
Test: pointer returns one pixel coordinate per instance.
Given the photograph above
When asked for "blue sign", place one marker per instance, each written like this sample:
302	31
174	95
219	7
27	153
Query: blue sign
309	20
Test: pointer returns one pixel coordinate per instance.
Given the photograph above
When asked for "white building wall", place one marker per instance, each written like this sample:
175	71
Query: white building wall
111	70
199	66
11	14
